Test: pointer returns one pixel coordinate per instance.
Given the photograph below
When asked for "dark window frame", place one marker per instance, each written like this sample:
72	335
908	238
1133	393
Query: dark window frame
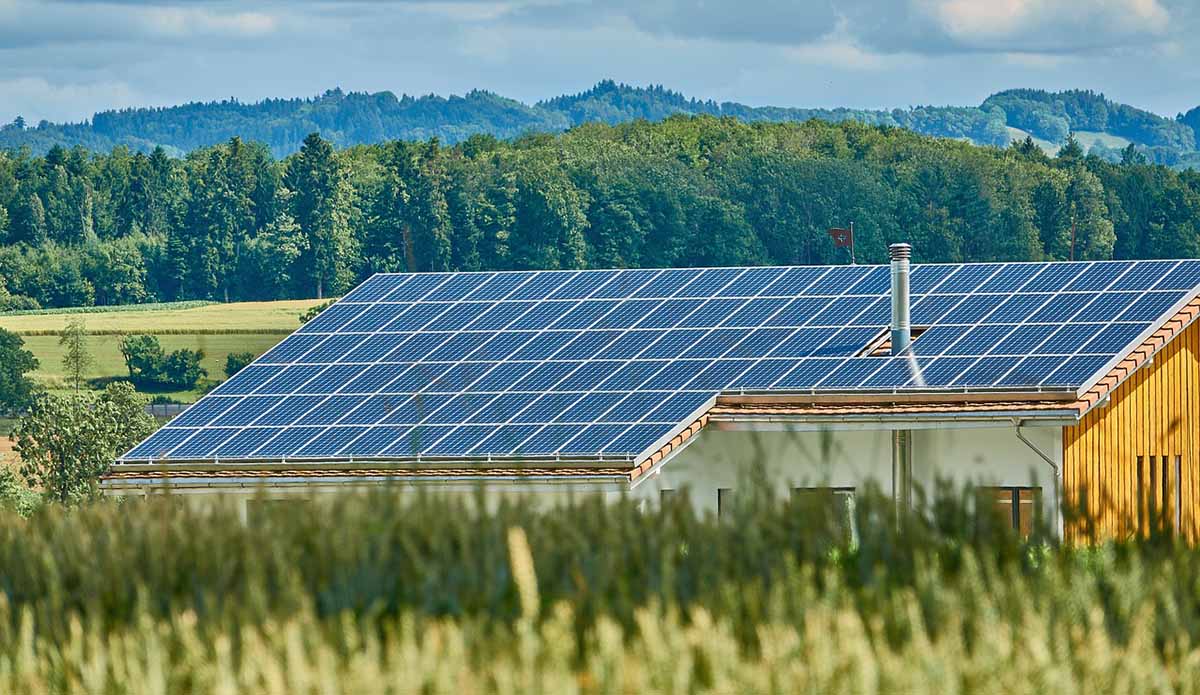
1014	492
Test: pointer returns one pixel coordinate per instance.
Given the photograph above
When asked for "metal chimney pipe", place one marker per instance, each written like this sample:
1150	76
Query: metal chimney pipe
901	324
901	338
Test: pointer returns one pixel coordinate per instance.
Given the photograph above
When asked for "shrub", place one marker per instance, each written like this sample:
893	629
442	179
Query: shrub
149	366
143	358
236	361
15	495
181	368
312	311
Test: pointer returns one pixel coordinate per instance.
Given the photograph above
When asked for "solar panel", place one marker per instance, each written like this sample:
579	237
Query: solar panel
607	362
244	412
245	442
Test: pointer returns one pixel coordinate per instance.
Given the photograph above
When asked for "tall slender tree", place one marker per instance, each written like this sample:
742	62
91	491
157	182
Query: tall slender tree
321	207
76	359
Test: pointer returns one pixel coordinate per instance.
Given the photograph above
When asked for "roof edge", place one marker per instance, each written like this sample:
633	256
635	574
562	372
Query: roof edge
1138	356
1155	327
926	396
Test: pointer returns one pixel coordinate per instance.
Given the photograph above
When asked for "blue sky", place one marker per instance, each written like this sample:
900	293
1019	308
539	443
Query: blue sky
65	59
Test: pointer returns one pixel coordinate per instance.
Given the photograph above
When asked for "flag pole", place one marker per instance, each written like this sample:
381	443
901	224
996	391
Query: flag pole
852	242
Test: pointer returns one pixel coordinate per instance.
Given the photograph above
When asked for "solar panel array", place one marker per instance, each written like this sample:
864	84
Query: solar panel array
607	363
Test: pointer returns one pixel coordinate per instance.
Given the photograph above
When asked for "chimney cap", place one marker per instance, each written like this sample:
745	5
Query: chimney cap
900	252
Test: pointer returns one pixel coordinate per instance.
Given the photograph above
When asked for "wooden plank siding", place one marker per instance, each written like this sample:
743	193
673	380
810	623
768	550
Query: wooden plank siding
1150	419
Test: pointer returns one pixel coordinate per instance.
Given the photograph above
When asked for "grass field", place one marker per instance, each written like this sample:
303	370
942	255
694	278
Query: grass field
216	330
1016	135
244	317
1087	138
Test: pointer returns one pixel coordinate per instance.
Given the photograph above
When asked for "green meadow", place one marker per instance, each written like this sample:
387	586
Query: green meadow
214	329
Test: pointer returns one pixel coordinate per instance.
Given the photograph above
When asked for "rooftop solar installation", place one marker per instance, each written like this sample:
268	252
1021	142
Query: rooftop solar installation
607	363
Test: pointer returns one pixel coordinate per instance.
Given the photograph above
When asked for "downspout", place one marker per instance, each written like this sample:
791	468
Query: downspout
1056	473
901	328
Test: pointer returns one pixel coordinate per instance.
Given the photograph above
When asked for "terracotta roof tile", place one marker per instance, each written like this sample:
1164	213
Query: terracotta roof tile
1140	355
899	408
508	472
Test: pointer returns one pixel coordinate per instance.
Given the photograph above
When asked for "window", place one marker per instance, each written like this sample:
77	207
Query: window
724	501
1017	506
1178	480
837	503
1160	493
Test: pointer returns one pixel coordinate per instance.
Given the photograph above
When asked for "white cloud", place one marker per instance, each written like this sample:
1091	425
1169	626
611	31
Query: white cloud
65	59
37	99
193	21
1048	25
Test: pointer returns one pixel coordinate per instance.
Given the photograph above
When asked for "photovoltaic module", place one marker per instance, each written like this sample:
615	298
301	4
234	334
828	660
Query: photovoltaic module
606	363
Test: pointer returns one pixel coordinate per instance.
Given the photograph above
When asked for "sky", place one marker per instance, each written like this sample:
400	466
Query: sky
63	60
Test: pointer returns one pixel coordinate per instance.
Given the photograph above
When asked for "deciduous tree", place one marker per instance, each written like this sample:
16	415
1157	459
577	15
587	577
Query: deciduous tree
67	441
76	359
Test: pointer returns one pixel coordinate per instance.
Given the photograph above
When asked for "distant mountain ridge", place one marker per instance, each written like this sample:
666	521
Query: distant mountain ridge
1101	125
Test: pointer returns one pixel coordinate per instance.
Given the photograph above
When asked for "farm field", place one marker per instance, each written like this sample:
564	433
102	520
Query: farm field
245	317
427	594
215	329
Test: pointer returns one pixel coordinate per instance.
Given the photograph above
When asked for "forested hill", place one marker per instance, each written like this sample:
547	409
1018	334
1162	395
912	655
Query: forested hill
231	221
347	119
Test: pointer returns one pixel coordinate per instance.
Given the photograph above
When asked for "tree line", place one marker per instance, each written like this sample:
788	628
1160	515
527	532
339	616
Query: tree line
232	222
355	118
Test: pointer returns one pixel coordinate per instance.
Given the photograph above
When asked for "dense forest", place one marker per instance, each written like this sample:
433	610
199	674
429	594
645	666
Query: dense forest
233	222
348	119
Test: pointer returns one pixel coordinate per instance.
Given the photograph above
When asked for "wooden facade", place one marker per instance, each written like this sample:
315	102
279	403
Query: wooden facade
1133	462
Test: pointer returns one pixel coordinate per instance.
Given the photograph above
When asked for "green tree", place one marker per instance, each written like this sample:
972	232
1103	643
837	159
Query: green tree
551	218
76	359
143	358
237	361
313	311
149	366
16	388
1094	232
1071	151
266	266
117	271
321	207
220	214
67	441
29	220
181	369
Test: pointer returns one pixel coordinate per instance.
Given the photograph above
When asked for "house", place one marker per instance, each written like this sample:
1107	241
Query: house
1034	382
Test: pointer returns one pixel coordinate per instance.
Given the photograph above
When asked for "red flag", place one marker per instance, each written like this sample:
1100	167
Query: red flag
842	238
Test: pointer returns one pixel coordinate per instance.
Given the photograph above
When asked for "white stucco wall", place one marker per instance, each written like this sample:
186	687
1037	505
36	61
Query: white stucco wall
986	455
795	456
